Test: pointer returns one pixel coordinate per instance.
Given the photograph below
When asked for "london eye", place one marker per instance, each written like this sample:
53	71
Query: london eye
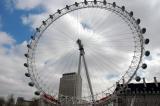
100	42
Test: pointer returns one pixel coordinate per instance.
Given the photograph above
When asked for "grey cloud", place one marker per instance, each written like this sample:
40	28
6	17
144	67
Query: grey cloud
142	9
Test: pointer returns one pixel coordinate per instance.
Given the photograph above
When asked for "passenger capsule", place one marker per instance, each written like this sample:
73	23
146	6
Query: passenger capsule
147	53
76	4
144	65
138	78
26	55
27	75
85	2
28	46
138	21
95	1
59	11
37	29
131	14
31	84
67	7
51	16
114	4
25	64
123	8
44	22
146	41
37	93
143	30
32	37
104	2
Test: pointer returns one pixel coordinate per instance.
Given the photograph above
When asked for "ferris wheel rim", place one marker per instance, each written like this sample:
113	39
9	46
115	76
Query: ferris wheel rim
90	4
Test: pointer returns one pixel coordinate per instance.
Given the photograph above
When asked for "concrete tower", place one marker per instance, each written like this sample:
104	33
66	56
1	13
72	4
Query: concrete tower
70	85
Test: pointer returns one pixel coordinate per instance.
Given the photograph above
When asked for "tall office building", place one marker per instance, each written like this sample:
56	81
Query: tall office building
70	85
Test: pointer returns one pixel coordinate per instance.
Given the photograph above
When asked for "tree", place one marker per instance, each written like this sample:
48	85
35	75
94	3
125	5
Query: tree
20	101
2	101
10	100
34	102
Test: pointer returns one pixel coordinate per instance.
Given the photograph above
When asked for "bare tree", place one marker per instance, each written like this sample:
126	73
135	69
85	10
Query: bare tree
20	101
2	101
10	100
34	102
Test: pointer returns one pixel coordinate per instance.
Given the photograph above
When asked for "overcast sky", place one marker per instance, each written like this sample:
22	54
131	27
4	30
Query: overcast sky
19	18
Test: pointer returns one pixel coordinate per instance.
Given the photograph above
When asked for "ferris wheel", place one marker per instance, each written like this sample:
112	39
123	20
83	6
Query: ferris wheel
99	41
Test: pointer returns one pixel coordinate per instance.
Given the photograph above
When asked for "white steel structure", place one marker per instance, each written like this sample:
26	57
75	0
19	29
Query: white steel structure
43	78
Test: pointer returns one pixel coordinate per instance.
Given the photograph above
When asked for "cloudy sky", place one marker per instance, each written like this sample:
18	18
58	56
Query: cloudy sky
19	18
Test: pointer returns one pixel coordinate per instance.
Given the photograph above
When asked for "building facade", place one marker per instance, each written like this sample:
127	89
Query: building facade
139	94
70	86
